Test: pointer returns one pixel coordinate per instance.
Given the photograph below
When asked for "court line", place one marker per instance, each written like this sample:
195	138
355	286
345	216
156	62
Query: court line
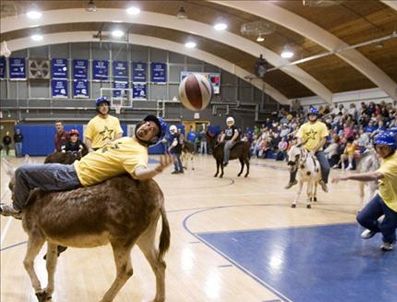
270	288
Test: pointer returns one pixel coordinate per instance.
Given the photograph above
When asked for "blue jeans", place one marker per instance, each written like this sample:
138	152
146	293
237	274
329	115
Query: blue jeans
368	218
18	149
47	177
177	162
325	168
228	146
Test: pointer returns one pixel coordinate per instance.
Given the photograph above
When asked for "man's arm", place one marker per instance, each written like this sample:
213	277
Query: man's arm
370	176
142	173
118	135
235	136
320	144
88	143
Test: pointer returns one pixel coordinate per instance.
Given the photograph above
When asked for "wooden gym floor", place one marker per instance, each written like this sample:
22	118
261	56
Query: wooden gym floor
233	239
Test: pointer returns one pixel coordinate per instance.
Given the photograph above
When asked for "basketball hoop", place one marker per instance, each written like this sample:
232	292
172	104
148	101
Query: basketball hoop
117	108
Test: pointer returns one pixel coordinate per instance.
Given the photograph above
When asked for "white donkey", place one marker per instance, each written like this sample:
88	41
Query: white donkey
309	171
368	162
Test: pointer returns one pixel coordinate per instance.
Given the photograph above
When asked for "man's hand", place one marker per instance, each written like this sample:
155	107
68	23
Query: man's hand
336	179
165	161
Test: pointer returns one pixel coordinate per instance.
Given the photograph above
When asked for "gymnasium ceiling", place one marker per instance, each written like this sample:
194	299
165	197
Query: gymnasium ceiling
345	45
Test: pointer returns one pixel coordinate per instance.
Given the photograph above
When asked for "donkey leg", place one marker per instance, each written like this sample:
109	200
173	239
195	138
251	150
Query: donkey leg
242	166
35	242
309	193
221	164
247	163
297	195
361	188
147	245
51	263
315	191
217	168
124	270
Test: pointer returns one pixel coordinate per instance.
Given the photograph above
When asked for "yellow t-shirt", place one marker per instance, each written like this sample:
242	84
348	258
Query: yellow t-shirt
121	156
102	130
312	134
388	184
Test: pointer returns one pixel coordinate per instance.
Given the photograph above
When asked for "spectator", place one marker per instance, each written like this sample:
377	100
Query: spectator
18	139
61	136
7	142
203	141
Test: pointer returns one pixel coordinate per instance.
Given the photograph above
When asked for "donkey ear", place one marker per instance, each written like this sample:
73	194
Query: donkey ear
8	168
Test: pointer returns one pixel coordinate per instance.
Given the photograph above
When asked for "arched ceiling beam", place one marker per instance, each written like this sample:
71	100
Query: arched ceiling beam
293	22
71	37
392	4
166	21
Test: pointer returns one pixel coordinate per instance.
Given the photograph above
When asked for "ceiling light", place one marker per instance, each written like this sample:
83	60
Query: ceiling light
34	14
260	39
91	7
133	10
287	53
37	37
220	26
117	33
181	13
190	44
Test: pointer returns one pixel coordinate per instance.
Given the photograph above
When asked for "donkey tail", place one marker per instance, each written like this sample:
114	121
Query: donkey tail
165	236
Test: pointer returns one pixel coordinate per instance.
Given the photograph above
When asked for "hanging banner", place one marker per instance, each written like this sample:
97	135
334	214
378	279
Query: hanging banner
17	69
139	72
59	88
213	77
80	89
2	67
119	85
139	91
59	68
100	70
80	69
120	71
159	73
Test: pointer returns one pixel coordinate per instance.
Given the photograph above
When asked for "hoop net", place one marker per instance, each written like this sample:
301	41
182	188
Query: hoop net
119	98
117	108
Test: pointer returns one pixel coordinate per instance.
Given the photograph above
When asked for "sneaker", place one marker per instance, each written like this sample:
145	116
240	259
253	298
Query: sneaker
9	210
323	186
349	167
225	163
387	246
367	234
290	184
175	172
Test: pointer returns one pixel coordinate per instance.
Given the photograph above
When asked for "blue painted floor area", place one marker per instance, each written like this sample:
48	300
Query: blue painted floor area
314	264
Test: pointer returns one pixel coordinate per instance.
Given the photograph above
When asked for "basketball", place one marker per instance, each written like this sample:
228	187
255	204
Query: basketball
195	92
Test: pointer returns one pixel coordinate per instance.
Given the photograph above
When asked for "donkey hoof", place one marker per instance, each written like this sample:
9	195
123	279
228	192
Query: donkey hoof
246	175
293	206
238	175
43	296
308	206
216	175
314	199
220	176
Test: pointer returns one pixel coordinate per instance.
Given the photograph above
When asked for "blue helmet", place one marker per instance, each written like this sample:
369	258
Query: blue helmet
313	111
387	138
101	100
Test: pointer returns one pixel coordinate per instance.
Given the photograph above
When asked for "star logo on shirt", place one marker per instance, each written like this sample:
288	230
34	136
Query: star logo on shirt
106	134
311	134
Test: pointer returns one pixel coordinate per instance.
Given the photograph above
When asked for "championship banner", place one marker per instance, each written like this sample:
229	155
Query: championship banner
139	71
59	88
213	77
159	73
100	70
80	89
139	91
2	67
120	71
80	69
119	85
59	68
17	69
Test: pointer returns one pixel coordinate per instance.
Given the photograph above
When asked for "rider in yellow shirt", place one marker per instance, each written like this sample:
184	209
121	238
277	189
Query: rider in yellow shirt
313	135
125	155
103	128
385	202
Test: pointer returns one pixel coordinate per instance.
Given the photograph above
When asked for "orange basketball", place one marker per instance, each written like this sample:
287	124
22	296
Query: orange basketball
195	92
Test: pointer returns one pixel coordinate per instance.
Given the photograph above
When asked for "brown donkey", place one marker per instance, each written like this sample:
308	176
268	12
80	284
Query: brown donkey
120	211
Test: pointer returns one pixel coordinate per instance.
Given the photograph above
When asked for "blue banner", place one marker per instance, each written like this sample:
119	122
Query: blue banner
2	67
119	85
139	72
80	69
59	68
120	71
80	89
139	91
17	68
159	72
59	88
100	70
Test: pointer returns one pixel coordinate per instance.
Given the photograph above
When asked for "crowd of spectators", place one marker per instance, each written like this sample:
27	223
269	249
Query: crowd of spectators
351	130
